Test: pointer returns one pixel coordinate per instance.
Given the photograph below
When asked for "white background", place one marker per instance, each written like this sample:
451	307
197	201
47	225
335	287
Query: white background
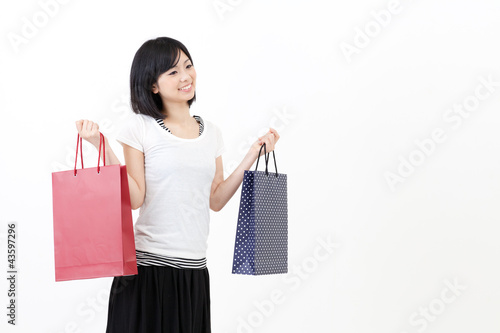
345	122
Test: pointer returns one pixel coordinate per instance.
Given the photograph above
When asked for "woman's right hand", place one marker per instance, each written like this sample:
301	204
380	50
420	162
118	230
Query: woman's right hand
89	131
270	139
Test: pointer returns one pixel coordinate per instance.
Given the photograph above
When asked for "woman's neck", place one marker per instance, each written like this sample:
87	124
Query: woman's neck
177	114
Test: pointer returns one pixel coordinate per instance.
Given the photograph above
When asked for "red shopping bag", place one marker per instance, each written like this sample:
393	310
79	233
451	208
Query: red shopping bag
93	227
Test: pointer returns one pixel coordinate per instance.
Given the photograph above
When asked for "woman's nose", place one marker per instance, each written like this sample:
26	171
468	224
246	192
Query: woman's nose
184	76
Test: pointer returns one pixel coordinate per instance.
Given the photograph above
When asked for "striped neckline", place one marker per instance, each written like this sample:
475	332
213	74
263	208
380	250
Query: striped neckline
198	119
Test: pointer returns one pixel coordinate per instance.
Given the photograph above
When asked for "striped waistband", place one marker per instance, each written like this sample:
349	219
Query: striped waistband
152	259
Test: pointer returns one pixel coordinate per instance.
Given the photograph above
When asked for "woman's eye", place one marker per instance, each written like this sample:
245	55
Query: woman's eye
188	66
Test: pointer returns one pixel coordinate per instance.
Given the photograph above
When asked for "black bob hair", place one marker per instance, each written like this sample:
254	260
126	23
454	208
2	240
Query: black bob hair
153	58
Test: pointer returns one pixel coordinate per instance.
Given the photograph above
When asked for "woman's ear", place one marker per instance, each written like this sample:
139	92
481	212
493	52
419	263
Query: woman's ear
154	88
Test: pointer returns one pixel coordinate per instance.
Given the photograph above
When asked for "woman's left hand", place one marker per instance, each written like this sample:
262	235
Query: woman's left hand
270	139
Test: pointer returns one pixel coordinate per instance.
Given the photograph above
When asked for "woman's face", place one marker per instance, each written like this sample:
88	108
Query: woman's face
178	83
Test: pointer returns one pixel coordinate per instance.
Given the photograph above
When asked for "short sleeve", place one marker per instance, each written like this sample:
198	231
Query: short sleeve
132	132
220	142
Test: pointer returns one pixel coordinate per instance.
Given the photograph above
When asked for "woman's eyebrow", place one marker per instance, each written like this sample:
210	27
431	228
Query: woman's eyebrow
184	62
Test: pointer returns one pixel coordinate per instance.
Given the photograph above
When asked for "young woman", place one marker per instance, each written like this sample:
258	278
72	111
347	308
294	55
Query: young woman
175	176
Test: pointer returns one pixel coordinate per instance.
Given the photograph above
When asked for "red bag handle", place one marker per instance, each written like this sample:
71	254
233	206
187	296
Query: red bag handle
103	152
101	139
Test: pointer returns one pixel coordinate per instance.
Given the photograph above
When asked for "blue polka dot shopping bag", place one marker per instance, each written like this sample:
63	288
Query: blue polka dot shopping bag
261	244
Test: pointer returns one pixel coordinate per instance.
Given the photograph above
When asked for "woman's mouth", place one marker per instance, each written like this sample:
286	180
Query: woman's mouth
186	88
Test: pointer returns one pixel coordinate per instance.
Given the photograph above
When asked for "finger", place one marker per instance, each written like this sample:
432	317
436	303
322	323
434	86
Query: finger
272	139
79	124
89	125
268	144
272	130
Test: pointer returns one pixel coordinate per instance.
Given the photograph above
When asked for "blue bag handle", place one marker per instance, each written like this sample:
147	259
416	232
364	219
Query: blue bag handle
266	157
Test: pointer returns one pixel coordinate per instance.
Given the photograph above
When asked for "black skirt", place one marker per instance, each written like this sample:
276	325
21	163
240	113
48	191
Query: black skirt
160	299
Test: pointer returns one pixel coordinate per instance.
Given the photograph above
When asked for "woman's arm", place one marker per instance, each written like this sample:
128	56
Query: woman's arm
223	190
134	160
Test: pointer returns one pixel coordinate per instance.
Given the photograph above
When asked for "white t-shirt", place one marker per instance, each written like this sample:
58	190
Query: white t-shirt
174	218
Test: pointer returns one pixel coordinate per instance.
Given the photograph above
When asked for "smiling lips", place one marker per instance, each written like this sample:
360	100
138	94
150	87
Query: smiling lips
186	88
